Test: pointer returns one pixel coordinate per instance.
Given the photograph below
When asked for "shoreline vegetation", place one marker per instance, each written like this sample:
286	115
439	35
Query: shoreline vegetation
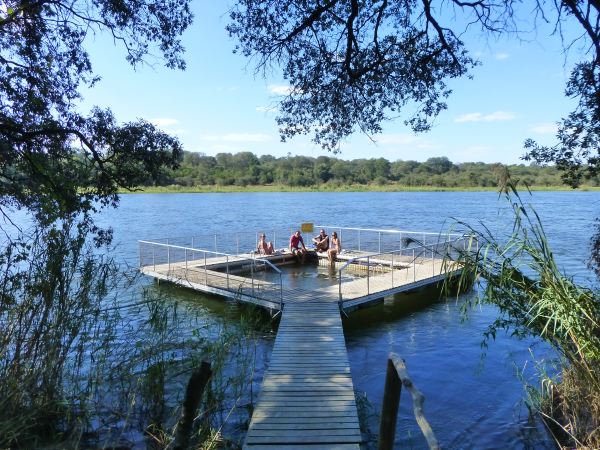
216	189
246	172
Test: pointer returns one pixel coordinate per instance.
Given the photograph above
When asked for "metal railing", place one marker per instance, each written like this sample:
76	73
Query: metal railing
231	243
379	272
384	240
216	270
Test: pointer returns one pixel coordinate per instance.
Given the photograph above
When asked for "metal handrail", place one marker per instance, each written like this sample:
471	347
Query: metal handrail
279	272
181	247
252	258
422	248
376	230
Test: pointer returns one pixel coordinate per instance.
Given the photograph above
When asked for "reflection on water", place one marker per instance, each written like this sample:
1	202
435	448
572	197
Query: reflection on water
471	401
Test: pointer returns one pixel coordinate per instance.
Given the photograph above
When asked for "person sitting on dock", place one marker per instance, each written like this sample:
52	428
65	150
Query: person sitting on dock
264	247
297	246
321	241
336	247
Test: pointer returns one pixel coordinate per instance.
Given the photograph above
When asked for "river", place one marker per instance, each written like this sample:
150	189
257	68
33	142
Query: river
472	402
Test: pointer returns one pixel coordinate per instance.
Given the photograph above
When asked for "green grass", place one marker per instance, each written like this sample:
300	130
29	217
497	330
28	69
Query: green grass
332	188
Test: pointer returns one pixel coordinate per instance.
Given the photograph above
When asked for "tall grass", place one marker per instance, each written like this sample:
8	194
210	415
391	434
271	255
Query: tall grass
534	298
90	358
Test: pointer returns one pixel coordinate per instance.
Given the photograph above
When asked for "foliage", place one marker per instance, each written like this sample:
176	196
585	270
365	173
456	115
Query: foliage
50	295
577	153
245	169
86	360
535	299
53	160
352	64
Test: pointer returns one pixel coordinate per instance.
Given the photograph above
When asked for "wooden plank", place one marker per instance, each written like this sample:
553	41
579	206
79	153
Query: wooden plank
307	395
279	446
352	438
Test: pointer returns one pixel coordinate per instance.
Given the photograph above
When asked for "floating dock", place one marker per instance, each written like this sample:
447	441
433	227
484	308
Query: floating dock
307	397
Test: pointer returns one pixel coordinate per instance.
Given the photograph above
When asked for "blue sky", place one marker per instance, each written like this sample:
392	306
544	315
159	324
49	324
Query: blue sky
219	105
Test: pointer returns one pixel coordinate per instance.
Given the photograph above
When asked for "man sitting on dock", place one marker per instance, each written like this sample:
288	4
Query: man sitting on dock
321	241
297	246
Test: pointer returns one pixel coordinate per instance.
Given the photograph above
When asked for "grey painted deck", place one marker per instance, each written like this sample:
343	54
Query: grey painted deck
392	277
307	397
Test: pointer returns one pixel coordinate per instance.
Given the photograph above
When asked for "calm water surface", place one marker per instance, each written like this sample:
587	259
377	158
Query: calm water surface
472	403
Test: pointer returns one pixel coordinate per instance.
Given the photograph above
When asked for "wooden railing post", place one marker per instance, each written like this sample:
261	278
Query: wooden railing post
397	376
193	395
389	408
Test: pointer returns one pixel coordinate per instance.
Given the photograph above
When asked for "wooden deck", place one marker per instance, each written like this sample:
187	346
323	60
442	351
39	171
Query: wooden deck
215	276
307	397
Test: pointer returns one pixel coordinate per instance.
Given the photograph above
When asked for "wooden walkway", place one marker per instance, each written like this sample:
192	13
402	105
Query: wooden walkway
307	397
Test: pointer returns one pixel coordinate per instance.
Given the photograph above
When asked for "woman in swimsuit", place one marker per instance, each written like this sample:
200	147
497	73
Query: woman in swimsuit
335	247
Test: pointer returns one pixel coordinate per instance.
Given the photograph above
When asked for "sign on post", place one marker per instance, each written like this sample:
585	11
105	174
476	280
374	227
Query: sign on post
307	227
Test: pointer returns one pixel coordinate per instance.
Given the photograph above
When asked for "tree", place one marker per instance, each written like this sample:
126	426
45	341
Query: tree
54	160
353	64
62	166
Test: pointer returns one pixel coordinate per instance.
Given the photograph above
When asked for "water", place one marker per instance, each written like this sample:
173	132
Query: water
472	403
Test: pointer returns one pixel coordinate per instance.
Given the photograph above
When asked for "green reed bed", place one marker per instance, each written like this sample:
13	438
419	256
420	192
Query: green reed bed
90	358
534	298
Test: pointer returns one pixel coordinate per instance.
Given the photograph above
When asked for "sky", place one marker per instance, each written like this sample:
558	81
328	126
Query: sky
218	104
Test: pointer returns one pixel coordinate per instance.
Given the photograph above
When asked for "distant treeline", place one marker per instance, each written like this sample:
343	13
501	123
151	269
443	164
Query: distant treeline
246	169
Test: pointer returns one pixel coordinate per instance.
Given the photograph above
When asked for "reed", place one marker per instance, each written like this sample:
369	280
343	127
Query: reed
89	357
534	298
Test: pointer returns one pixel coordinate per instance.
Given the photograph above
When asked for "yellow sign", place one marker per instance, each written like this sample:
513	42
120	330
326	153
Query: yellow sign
307	227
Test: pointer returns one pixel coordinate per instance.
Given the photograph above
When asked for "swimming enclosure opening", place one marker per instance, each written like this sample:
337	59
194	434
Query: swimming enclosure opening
372	264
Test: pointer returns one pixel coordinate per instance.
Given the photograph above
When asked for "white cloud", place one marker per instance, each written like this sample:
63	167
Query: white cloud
496	116
397	139
164	121
280	89
267	109
501	56
544	128
236	137
227	89
472	153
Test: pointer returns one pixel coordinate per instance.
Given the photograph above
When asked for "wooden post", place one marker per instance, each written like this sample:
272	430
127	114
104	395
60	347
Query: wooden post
389	408
397	376
193	395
